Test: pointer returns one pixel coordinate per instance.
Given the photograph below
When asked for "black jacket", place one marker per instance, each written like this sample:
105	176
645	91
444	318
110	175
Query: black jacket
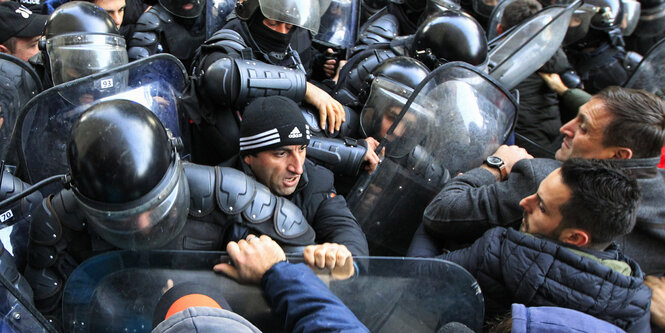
514	267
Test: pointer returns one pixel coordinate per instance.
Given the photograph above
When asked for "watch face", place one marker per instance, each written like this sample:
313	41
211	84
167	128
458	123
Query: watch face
493	160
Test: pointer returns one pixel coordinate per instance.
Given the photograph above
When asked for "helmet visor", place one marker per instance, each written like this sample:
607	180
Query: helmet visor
384	103
156	220
304	14
631	16
76	56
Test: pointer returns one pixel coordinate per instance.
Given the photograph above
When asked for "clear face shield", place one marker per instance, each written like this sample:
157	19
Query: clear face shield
149	222
631	16
304	14
384	103
75	56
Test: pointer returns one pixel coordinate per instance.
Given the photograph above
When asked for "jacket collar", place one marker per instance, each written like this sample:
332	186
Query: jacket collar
640	167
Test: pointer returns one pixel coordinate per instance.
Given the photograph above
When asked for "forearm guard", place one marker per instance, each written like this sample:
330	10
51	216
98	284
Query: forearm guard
341	156
230	82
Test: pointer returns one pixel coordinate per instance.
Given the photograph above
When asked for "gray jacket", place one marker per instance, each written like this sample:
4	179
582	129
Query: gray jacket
475	202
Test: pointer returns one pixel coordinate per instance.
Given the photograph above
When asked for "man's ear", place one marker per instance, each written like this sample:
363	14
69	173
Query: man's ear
247	159
4	49
574	236
623	153
499	29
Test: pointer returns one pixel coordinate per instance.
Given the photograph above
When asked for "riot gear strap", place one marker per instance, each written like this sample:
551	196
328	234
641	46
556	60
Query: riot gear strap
341	156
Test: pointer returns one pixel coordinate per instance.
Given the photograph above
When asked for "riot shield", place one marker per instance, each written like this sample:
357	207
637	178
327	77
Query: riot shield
650	73
118	292
339	24
43	127
453	120
18	84
216	13
528	46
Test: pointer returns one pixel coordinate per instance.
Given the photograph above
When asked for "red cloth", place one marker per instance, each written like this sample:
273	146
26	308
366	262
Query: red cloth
662	158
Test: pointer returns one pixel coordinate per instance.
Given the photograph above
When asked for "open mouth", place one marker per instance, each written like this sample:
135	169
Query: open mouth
291	181
188	6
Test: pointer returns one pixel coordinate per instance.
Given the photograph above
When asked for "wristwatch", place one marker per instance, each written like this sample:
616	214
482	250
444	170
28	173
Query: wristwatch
497	163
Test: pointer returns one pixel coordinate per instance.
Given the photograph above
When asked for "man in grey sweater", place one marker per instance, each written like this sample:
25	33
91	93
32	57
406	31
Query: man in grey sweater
625	125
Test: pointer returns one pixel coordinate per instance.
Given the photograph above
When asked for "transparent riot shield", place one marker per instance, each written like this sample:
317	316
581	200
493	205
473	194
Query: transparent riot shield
43	127
216	13
650	73
339	24
529	45
18	84
453	120
118	292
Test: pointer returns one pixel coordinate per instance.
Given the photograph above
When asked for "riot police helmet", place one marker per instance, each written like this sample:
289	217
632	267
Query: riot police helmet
127	175
186	9
391	84
450	36
301	13
82	39
608	16
652	19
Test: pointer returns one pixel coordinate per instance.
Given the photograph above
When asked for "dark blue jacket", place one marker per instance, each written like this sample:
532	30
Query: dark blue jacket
514	267
306	304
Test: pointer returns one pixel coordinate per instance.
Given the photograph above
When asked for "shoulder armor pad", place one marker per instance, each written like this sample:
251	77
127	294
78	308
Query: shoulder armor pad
383	30
42	256
262	207
361	75
44	282
67	211
290	223
45	228
235	190
201	181
149	21
226	38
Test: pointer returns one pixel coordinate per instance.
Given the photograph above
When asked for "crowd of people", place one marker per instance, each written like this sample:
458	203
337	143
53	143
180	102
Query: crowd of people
271	140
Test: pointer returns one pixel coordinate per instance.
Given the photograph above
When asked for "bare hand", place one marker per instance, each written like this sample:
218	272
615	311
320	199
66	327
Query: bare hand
333	256
554	81
371	157
511	155
251	258
330	110
657	286
329	65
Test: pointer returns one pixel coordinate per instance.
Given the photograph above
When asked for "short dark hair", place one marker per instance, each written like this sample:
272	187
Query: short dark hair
638	122
10	44
519	11
603	199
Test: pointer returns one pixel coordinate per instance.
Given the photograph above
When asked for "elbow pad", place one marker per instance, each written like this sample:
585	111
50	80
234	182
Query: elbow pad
340	156
232	82
19	210
571	79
